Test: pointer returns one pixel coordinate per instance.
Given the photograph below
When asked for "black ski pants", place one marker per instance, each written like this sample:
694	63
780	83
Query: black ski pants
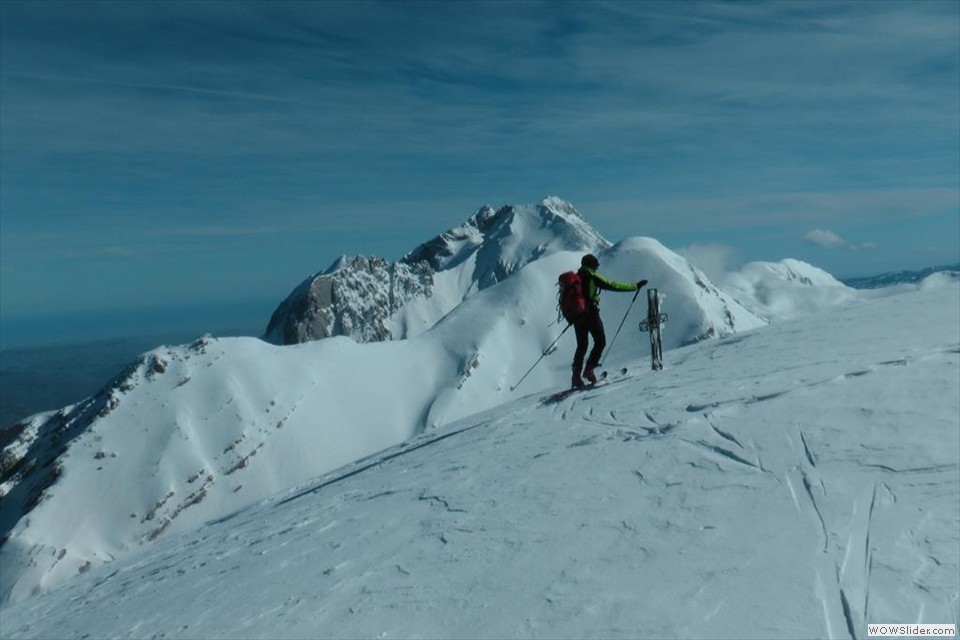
589	324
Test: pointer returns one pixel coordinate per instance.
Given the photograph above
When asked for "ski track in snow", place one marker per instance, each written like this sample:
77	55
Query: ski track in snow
845	579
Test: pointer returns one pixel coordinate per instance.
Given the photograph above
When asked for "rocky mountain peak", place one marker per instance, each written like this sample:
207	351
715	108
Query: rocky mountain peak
371	299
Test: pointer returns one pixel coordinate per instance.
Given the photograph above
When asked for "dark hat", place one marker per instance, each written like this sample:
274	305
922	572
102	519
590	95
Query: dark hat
590	260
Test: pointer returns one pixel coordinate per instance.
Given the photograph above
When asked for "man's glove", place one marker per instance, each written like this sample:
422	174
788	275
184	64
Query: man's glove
641	284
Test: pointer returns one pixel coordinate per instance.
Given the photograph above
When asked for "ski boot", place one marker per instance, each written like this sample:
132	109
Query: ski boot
577	382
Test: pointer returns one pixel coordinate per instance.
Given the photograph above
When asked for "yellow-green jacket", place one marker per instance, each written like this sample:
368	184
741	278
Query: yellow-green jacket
595	282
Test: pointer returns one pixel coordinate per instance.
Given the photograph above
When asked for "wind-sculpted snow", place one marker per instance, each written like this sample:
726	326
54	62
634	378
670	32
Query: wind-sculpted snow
370	299
698	310
796	481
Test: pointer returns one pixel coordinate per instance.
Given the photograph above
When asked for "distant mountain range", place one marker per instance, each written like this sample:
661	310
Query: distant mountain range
897	277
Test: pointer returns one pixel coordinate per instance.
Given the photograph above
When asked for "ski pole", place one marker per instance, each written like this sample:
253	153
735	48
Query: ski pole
609	346
542	355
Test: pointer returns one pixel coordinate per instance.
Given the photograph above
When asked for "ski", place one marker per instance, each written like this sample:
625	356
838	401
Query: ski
605	378
652	324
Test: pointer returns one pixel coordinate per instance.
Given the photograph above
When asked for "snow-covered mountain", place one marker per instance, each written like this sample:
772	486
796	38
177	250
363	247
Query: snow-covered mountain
371	299
190	433
786	289
788	482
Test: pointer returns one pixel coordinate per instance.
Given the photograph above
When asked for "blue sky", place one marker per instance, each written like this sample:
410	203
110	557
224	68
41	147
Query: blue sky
155	154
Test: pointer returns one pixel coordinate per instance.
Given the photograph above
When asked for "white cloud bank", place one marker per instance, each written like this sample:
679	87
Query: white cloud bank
829	239
823	238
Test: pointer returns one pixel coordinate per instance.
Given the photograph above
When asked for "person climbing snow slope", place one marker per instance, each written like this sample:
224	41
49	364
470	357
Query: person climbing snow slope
589	323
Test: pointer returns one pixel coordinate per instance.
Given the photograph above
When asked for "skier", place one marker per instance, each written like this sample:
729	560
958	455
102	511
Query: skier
589	323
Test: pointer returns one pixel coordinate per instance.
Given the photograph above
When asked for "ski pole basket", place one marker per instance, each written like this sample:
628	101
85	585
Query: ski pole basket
652	325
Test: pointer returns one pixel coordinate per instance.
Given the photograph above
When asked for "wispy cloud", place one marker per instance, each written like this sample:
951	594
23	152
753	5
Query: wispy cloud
333	79
823	238
829	239
714	259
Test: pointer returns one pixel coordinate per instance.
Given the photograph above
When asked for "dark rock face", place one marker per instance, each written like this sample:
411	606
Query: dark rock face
355	298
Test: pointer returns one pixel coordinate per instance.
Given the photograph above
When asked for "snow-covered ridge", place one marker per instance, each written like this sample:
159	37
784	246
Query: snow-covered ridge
698	310
790	469
786	289
371	299
355	297
509	237
191	433
33	458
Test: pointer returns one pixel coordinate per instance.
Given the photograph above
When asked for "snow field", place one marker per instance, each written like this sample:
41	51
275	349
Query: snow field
799	480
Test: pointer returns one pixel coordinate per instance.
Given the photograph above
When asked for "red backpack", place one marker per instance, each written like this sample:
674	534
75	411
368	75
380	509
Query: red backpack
571	299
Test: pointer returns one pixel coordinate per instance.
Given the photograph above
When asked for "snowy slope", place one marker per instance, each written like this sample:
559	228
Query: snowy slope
786	289
192	432
371	299
796	481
